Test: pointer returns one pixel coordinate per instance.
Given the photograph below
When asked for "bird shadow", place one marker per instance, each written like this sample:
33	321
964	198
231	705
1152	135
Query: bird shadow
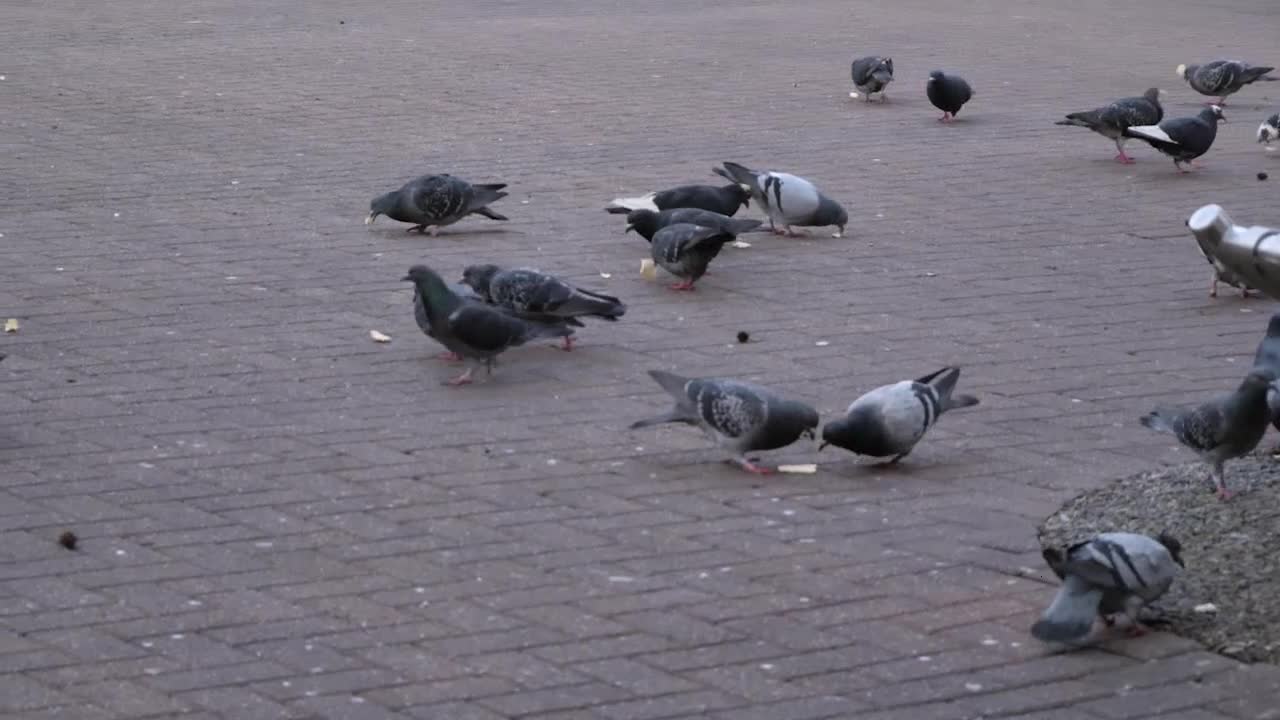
446	233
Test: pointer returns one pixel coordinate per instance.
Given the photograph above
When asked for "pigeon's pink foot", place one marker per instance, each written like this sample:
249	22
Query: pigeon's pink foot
463	379
450	357
568	343
1137	629
1124	159
1225	494
686	285
751	467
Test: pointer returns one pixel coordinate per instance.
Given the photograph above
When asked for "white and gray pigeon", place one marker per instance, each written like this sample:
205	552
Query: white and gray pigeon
648	222
891	419
1268	358
535	295
948	93
1221	429
740	417
724	199
1113	573
431	202
685	250
1222	78
1113	119
1269	130
1184	139
471	329
872	74
788	200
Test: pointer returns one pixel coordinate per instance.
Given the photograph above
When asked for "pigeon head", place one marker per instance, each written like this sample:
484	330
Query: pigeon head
839	432
1184	70
1153	95
1174	547
421	274
742	193
644	222
798	415
1269	130
829	212
479	277
1213	113
936	75
380	205
883	73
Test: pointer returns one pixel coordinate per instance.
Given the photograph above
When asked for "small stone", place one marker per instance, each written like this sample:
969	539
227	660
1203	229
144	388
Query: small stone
744	336
68	540
1262	176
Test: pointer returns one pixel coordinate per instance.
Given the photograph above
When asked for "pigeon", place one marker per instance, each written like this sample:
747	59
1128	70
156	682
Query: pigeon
1269	130
787	199
891	419
534	295
740	417
420	315
1268	358
724	200
685	250
1116	572
473	330
434	201
648	222
1183	139
872	74
1221	429
1113	119
1221	78
948	93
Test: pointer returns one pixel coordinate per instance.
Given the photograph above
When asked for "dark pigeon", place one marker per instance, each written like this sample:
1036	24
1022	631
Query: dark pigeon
740	417
1222	429
948	93
1222	78
473	330
537	296
1268	358
724	200
1112	120
648	222
685	250
789	200
1111	574
872	74
891	419
434	201
1183	139
1269	130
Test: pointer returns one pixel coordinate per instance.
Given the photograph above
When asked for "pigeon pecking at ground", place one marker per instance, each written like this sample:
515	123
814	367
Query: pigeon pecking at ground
1111	574
435	201
1268	358
872	74
891	419
537	296
471	329
724	200
1269	130
1113	119
1222	429
1221	78
1183	139
685	250
648	222
787	199
948	93
740	417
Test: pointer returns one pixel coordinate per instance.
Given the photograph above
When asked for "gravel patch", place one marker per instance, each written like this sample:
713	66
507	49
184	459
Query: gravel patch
1231	549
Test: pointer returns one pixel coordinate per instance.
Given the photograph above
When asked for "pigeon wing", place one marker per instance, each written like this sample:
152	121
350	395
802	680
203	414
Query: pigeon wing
730	408
485	329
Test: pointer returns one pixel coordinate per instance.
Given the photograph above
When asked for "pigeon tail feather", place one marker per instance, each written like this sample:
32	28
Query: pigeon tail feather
585	302
1256	73
960	401
489	213
1070	616
737	173
675	415
1089	119
485	194
672	383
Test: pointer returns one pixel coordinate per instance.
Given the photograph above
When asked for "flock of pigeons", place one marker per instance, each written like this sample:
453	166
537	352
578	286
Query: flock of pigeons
492	309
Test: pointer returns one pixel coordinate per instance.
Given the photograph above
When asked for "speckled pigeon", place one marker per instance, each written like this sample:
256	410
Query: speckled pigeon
1221	78
685	250
724	200
787	199
1183	139
872	74
1269	130
434	201
740	417
1222	429
1112	120
472	329
891	419
948	93
648	222
1268	358
1113	573
535	295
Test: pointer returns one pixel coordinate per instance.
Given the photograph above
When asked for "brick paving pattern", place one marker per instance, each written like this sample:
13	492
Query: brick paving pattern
282	519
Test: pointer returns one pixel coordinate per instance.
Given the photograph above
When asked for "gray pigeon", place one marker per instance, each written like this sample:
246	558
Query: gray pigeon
434	201
1222	429
1221	78
685	250
740	417
891	419
534	295
724	200
787	199
648	222
948	93
1111	574
872	74
1268	358
1269	130
1112	120
472	330
1183	139
422	317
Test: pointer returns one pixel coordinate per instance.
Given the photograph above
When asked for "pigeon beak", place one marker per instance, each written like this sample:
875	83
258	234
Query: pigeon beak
369	220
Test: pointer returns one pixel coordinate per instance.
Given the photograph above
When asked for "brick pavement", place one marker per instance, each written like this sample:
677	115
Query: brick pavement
281	519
